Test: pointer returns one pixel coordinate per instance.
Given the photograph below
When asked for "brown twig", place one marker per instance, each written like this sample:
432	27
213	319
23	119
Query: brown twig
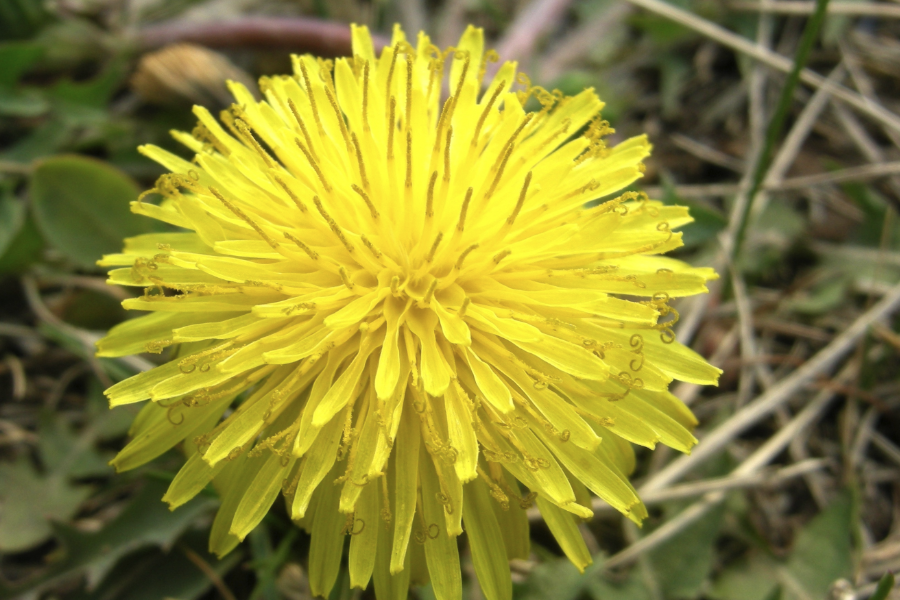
324	38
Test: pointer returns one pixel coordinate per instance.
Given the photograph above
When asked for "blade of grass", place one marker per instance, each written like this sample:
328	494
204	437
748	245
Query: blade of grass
776	125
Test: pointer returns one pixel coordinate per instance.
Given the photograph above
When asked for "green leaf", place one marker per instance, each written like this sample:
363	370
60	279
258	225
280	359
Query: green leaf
22	103
17	58
41	141
95	93
82	207
822	552
146	521
707	222
753	578
24	249
557	579
682	564
823	297
67	454
29	501
884	587
137	577
12	217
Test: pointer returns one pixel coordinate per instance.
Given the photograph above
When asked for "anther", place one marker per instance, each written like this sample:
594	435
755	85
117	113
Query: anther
395	285
429	294
486	110
501	255
312	97
465	209
390	76
333	224
463	256
521	202
370	246
465	306
248	132
337	113
365	196
309	251
362	166
392	124
345	278
462	79
302	127
409	74
365	106
508	150
409	158
437	240
243	217
290	193
429	202
447	154
313	164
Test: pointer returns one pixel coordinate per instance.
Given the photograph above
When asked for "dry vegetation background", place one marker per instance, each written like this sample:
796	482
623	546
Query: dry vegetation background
794	490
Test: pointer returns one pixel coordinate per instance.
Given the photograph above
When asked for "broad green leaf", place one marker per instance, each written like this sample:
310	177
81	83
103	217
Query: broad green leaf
12	217
146	521
30	500
137	577
82	207
683	563
752	578
17	58
822	552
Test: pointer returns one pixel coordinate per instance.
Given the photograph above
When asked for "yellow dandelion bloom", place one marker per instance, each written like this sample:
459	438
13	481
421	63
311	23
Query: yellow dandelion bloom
396	313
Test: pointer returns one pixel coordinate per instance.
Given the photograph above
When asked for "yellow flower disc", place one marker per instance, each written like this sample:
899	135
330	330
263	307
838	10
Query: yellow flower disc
397	313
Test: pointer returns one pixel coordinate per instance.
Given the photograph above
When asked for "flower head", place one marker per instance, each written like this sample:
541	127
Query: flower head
396	312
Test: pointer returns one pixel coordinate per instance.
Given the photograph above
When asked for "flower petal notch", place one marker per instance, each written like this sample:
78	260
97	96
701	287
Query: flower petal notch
410	317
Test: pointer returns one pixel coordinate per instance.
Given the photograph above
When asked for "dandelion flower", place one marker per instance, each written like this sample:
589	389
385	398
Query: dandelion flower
397	313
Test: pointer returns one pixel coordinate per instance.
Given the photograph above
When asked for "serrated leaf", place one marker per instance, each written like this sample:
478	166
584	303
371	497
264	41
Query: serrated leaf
146	521
137	577
29	500
67	454
82	207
